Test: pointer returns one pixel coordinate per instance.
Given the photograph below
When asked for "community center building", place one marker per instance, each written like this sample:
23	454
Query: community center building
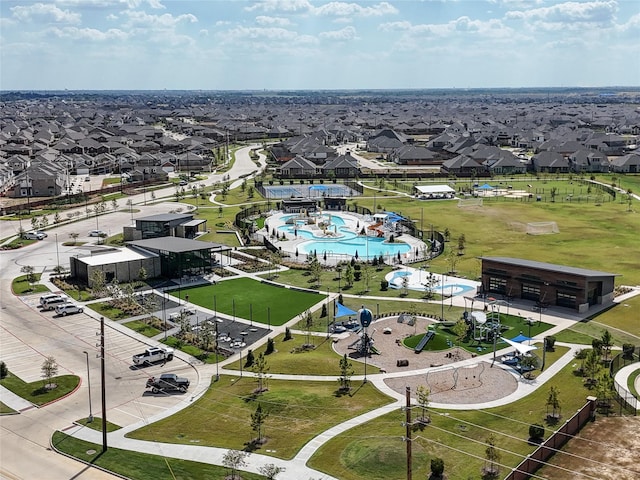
547	283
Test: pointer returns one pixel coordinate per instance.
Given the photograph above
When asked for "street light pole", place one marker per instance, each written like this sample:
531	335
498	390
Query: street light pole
90	419
57	255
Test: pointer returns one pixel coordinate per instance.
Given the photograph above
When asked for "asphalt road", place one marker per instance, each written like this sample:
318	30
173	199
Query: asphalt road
28	335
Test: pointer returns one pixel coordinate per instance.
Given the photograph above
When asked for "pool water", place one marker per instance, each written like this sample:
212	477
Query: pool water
365	248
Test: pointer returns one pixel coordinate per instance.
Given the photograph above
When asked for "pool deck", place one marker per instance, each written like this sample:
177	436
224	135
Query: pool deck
446	285
353	221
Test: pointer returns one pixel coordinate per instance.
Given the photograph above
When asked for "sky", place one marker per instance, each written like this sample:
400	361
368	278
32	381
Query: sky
317	45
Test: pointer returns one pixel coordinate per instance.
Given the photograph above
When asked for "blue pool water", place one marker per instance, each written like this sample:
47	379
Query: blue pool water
335	220
349	246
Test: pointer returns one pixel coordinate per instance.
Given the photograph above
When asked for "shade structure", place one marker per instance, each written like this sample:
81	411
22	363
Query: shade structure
343	311
520	338
486	186
520	348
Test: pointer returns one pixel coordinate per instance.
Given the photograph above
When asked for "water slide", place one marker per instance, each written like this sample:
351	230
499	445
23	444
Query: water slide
423	341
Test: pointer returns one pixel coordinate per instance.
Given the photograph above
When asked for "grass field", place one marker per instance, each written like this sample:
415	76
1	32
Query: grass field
288	359
246	298
298	411
139	466
375	450
20	286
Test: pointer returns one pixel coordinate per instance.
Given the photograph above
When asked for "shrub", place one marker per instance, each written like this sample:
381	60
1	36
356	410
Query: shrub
287	334
550	342
270	347
627	351
250	359
536	432
384	285
4	371
437	467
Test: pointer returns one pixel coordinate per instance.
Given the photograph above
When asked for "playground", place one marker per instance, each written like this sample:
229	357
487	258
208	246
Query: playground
475	383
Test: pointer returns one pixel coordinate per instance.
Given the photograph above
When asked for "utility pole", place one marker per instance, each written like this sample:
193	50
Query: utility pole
408	430
104	388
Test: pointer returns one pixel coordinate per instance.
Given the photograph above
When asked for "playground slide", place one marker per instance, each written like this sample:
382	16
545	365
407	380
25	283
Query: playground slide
374	350
375	226
423	341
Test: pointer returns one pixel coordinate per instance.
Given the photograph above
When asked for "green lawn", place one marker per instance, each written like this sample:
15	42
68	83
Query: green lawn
298	411
106	310
20	286
289	359
623	316
139	466
584	332
375	451
35	392
143	328
4	409
96	424
248	298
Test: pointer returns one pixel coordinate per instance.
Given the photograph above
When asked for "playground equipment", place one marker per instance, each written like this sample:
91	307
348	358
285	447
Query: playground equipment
426	338
464	377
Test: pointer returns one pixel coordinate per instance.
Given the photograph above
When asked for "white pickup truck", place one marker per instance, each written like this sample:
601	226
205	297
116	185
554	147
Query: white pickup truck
153	355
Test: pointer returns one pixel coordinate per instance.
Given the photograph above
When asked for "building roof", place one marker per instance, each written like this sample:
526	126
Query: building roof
583	272
435	189
118	256
176	245
165	217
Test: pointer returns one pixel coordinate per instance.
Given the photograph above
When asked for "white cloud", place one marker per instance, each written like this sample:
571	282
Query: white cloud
462	26
347	33
142	19
274	34
568	15
343	9
204	32
280	6
89	34
46	12
278	21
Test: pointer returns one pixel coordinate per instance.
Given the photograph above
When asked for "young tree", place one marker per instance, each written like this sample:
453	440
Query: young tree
114	204
405	286
98	283
423	402
4	371
49	370
142	274
348	275
271	471
553	402
234	460
308	323
592	366
607	343
461	243
431	282
460	331
491	469
261	368
29	272
257	422
346	371
74	236
581	355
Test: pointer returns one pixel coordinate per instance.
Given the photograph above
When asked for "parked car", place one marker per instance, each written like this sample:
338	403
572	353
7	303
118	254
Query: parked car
42	232
97	233
168	381
44	298
33	236
54	302
68	309
152	355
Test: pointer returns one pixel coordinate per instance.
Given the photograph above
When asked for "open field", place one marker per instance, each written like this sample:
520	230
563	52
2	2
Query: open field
298	411
375	450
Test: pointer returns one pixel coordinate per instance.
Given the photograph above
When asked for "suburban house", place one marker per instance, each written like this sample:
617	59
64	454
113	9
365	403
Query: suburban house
629	163
549	162
298	167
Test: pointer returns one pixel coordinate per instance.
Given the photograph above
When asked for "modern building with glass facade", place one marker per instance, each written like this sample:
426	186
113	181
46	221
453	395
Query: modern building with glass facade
547	283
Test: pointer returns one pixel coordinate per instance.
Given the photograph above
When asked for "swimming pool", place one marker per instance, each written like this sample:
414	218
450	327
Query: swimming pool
414	283
363	247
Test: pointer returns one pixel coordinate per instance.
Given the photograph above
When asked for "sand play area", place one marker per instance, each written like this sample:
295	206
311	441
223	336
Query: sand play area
475	383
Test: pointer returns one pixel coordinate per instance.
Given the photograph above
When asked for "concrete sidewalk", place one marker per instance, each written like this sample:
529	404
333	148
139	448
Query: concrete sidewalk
14	401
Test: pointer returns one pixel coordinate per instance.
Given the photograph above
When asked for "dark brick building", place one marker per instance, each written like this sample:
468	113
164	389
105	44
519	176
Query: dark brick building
547	283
